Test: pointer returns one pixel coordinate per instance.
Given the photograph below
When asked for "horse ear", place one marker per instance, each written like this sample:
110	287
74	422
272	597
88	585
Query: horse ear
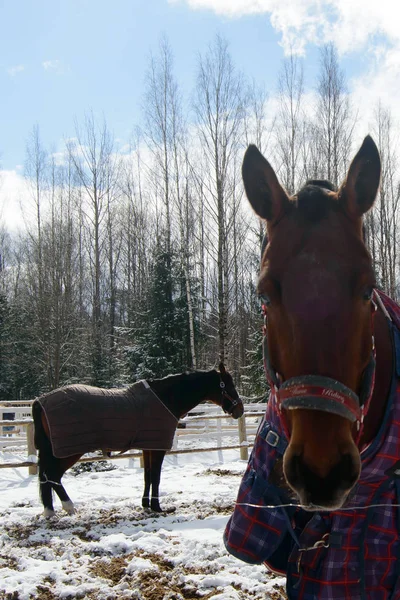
221	368
358	192
267	197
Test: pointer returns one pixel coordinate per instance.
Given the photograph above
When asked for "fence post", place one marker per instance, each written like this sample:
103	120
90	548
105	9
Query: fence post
244	452
30	437
219	439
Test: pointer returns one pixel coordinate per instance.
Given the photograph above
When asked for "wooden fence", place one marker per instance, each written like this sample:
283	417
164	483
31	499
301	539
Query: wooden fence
20	432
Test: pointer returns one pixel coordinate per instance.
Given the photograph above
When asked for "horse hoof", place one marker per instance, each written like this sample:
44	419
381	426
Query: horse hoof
69	507
157	509
48	513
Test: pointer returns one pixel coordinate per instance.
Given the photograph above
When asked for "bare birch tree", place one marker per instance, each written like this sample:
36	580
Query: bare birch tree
95	163
290	121
219	109
333	128
382	222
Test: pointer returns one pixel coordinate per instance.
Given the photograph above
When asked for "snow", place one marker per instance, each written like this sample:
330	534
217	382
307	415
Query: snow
113	549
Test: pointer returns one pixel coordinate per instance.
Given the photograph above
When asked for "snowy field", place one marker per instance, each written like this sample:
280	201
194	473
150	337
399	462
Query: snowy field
112	549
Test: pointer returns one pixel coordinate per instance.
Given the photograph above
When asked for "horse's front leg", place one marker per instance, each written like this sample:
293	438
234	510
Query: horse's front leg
157	457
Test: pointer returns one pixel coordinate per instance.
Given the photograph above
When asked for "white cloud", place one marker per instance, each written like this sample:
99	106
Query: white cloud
366	27
54	66
13	71
14	193
48	65
348	23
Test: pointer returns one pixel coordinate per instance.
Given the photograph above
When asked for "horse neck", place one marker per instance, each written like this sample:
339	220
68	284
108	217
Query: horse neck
181	393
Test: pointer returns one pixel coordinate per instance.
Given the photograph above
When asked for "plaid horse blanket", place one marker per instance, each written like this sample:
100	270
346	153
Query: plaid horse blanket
352	553
82	419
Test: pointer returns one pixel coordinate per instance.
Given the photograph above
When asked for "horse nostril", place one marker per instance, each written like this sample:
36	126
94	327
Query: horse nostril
326	490
350	468
293	471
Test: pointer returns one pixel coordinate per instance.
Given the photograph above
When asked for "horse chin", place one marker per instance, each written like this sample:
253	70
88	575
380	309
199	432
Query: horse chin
333	505
237	412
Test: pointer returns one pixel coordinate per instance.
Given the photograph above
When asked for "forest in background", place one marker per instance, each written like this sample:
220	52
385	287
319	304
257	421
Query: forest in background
141	262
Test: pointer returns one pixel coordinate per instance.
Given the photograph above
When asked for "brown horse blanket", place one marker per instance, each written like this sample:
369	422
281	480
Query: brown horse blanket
82	419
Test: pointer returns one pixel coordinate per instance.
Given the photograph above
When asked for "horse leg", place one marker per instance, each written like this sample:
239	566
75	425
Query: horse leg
45	485
147	478
63	465
45	458
51	469
157	457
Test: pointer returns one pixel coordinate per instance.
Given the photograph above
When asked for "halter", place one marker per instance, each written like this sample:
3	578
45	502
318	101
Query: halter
225	396
316	392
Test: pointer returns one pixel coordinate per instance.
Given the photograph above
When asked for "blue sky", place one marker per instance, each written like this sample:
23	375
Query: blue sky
60	58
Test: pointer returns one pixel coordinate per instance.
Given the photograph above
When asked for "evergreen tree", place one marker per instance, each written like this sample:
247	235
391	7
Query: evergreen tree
158	340
5	341
253	379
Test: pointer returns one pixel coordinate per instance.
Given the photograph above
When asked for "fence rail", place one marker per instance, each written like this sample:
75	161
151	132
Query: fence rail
243	428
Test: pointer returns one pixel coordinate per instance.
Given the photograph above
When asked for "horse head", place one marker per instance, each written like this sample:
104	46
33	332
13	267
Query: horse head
228	398
316	283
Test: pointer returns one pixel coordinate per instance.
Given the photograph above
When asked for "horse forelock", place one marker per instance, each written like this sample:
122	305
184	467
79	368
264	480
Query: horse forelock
315	200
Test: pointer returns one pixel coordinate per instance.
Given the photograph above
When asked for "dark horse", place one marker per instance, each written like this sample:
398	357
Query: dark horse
329	439
74	420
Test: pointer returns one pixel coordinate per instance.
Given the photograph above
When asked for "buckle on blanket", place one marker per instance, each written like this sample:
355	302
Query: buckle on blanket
322	543
272	438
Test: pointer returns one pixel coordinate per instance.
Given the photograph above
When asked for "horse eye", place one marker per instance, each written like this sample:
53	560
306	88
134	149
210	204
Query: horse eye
367	296
265	300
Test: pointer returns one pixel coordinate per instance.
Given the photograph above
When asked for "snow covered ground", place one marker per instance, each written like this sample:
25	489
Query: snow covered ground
112	549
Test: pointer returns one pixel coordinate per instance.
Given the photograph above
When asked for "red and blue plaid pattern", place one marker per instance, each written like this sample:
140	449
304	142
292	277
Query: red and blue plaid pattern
357	555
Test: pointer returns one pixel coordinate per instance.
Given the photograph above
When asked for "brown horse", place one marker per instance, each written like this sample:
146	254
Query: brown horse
319	499
74	420
316	284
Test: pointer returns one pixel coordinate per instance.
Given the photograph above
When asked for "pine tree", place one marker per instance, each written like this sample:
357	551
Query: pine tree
253	378
157	341
5	379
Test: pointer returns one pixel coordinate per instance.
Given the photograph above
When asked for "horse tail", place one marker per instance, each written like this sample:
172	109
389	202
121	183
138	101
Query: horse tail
40	433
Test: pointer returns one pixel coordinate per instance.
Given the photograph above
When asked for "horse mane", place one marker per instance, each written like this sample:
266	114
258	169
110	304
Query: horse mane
186	376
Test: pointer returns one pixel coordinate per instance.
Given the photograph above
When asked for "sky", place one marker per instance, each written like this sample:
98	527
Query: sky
62	58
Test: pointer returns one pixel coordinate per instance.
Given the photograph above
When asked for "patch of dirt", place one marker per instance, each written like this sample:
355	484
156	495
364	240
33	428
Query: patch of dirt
44	593
154	587
202	510
209	570
222	510
12	596
92	467
222	473
279	594
164	564
20	532
83	533
8	561
113	517
113	569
